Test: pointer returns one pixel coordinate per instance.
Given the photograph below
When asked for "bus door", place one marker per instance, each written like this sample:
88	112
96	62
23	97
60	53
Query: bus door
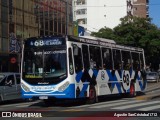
117	71
106	73
78	67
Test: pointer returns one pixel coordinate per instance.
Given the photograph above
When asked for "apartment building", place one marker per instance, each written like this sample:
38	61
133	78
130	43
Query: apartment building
20	19
96	14
139	8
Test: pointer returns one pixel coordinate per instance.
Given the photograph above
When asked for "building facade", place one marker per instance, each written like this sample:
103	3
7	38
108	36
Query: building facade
139	8
96	14
20	19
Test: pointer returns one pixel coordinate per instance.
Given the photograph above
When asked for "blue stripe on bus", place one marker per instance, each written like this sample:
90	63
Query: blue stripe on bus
114	78
79	76
139	81
95	72
84	89
119	87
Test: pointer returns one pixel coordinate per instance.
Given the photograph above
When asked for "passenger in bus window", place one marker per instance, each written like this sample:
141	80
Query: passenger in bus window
120	65
137	65
92	64
128	65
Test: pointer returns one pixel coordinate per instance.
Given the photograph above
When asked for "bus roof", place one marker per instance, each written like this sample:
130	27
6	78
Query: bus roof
103	42
100	39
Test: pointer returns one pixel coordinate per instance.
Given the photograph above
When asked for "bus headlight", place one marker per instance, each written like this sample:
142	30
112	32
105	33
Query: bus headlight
63	87
25	88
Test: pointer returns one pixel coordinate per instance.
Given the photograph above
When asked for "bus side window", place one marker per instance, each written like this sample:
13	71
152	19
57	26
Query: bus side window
117	59
71	69
95	57
135	61
77	58
126	58
107	58
85	56
141	61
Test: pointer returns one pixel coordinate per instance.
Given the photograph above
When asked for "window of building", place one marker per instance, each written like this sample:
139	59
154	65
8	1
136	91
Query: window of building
81	11
59	27
51	25
63	28
55	26
46	24
41	32
81	2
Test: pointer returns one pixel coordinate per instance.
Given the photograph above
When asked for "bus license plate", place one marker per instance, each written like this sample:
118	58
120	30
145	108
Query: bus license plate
43	97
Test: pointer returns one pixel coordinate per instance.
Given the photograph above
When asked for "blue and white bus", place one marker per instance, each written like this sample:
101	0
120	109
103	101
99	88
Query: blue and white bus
69	67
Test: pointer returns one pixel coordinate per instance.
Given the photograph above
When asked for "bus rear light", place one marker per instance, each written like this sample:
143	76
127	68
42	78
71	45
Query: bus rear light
25	88
63	87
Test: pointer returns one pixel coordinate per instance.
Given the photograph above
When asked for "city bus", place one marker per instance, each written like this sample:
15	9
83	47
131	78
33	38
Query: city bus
69	67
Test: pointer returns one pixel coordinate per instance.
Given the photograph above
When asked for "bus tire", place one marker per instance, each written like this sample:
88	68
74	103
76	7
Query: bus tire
92	96
132	92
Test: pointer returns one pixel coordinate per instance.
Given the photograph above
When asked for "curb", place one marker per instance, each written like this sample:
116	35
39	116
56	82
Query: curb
147	97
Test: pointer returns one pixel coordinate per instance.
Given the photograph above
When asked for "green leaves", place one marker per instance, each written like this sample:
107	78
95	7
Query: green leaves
137	32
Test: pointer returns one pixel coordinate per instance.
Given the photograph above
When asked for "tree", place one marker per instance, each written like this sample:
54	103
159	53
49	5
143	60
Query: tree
104	33
137	32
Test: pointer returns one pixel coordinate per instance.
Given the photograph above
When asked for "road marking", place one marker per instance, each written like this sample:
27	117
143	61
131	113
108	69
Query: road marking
149	108
136	105
115	104
19	104
23	105
101	103
72	110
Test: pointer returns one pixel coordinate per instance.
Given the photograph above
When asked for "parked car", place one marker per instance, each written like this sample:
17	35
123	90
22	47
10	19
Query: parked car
152	77
10	86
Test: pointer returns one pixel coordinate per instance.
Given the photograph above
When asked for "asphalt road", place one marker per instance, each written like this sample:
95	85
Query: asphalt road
144	106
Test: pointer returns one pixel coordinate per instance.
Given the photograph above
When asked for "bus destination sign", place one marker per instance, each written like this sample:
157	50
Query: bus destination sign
45	42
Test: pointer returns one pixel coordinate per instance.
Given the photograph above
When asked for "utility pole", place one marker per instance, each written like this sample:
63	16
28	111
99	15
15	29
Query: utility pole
66	17
23	20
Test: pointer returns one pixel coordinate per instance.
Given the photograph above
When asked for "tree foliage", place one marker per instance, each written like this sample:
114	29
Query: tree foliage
137	32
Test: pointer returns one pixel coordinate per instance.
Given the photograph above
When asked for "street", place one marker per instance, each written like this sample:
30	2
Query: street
107	107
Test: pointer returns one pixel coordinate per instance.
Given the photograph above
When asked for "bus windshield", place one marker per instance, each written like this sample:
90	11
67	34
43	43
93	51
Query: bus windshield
46	65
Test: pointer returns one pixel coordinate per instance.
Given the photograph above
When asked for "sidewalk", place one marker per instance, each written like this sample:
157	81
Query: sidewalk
152	92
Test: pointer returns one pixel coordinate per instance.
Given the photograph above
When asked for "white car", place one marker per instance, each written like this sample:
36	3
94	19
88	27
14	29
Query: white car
152	77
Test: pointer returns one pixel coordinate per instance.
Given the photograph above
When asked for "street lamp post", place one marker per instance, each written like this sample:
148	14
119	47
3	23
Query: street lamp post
66	17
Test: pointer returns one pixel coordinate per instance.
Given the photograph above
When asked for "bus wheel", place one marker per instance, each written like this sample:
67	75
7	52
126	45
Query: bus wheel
92	95
132	92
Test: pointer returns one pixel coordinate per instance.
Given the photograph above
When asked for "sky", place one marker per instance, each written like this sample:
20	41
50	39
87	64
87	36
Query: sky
154	11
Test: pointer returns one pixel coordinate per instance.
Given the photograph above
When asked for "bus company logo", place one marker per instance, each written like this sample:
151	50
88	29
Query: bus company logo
102	75
6	114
